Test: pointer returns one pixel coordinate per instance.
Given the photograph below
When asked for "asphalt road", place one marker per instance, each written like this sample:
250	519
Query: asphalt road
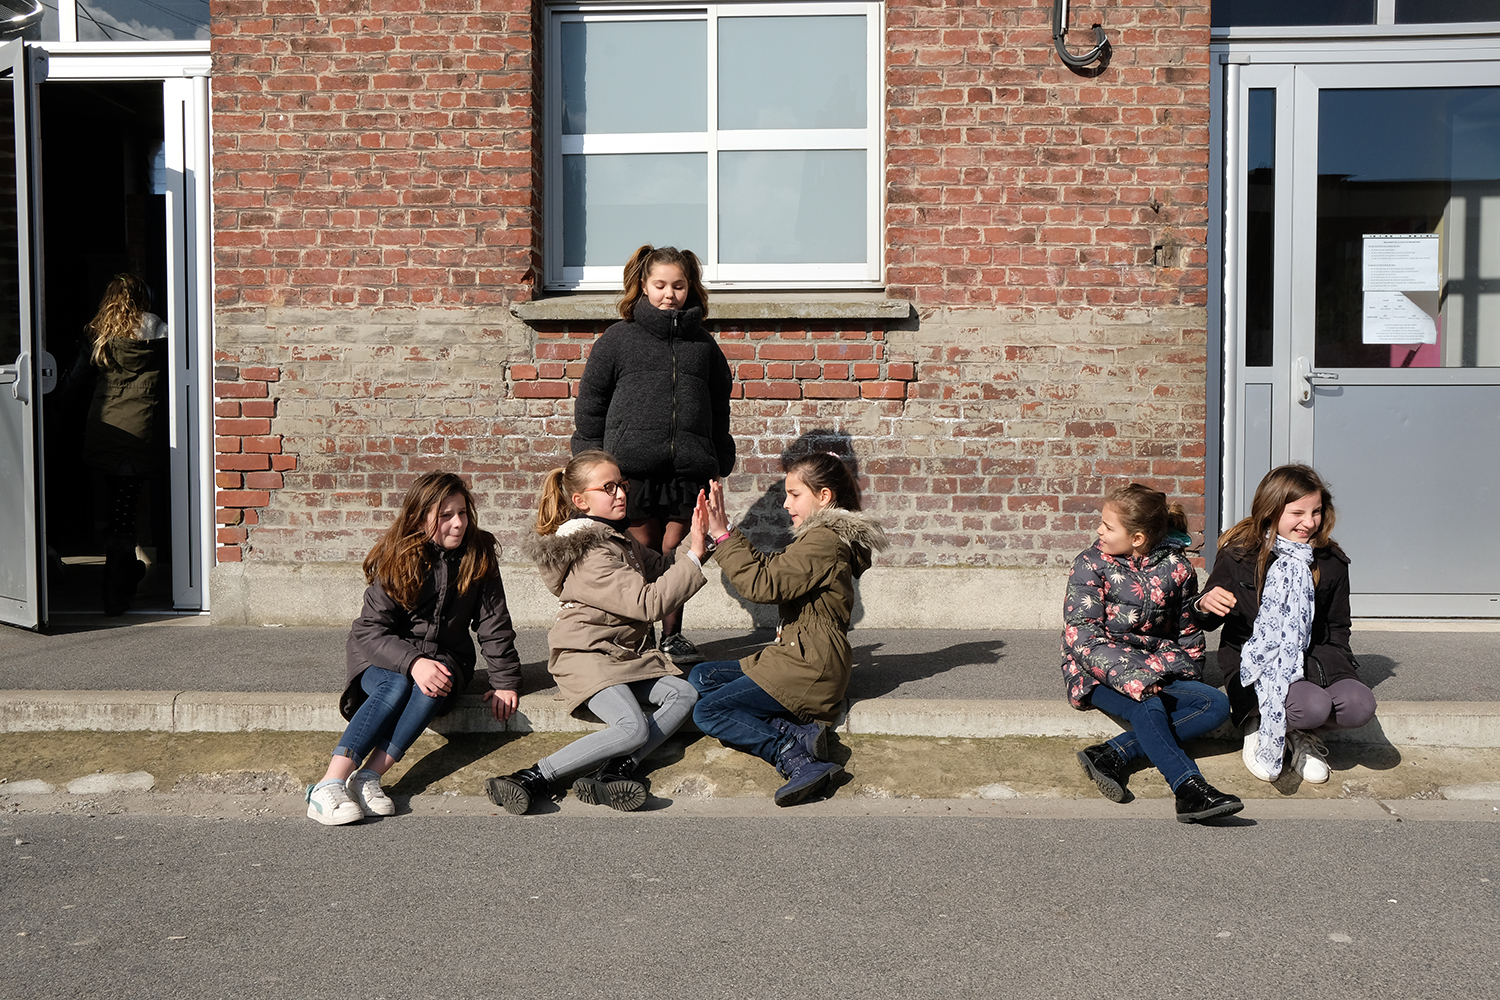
775	905
895	663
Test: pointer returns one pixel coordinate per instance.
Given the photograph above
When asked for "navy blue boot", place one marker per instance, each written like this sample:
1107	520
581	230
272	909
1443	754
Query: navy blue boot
806	777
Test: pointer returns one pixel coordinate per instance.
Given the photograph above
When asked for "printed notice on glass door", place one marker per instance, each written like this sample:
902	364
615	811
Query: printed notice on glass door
1402	278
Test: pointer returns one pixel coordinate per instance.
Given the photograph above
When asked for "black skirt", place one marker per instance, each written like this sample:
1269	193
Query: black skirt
665	496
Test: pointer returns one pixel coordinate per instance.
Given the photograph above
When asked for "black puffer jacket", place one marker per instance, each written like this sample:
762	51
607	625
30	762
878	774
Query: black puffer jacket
655	394
1328	657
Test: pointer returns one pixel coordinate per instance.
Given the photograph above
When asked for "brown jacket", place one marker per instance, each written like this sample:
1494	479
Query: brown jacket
611	588
812	583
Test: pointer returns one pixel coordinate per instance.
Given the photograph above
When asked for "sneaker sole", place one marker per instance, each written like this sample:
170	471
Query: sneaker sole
626	796
508	796
1227	809
806	792
1108	787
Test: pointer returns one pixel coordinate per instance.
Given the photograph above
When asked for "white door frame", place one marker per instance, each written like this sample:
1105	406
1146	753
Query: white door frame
183	69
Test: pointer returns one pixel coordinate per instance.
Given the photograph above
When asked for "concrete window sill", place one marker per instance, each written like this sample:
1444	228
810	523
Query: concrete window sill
728	307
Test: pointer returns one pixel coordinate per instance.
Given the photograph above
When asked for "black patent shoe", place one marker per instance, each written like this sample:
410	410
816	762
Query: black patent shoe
516	793
613	785
1106	766
1197	801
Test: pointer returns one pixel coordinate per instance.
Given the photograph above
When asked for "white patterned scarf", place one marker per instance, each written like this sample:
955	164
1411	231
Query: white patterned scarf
1272	658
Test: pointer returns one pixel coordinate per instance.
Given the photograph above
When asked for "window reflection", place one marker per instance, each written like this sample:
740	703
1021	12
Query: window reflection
142	20
1260	228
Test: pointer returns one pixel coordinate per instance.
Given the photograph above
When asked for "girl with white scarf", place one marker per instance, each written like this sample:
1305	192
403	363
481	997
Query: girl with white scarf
1280	588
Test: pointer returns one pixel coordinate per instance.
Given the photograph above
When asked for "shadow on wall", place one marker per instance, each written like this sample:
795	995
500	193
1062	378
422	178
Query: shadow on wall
769	528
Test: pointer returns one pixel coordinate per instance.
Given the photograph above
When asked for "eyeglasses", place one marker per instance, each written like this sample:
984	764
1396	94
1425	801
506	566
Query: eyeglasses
612	489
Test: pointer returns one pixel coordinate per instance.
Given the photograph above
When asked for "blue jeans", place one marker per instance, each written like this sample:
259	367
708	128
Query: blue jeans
392	717
1184	710
733	708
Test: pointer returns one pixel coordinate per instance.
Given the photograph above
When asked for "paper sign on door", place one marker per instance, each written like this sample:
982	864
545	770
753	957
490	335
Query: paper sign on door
1402	275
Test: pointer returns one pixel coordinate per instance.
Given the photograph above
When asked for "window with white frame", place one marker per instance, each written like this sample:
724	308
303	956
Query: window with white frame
747	133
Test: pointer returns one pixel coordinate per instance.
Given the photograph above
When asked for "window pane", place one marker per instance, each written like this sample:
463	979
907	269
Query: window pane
1277	13
797	72
1260	228
1446	11
792	206
1421	163
634	76
10	238
614	203
138	20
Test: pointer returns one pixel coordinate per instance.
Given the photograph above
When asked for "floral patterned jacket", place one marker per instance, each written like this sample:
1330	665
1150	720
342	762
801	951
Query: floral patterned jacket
1128	622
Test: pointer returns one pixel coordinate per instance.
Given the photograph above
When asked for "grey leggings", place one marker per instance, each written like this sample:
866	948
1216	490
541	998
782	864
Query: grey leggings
631	732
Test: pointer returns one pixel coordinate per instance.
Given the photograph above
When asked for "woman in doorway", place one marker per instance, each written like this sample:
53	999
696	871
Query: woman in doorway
124	433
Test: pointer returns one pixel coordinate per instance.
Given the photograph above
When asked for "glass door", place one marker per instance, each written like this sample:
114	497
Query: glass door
1369	315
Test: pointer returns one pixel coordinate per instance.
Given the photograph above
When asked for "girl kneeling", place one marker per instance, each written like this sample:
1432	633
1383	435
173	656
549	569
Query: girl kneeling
1130	649
777	703
611	588
432	576
1280	588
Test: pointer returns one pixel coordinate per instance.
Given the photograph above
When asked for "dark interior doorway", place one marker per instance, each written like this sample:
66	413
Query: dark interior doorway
100	146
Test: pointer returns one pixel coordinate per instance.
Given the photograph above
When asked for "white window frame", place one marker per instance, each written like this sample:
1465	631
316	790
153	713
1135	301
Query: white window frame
712	141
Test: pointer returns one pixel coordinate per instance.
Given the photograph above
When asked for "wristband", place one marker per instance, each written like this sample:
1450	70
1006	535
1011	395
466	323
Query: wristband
721	539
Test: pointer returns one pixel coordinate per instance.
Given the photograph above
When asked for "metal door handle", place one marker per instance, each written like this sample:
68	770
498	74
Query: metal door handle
21	387
1306	373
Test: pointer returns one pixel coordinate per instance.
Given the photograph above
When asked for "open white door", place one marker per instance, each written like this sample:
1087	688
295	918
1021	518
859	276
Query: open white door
25	369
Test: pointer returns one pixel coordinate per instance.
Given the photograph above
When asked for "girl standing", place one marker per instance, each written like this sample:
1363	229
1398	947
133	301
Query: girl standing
1280	588
1130	649
777	703
123	433
432	577
655	394
611	588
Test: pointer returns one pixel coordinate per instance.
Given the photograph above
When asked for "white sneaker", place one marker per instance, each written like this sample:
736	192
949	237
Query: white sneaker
331	805
1309	756
364	788
1247	754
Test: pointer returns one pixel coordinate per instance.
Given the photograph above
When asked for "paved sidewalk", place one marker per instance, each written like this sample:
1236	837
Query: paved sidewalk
181	674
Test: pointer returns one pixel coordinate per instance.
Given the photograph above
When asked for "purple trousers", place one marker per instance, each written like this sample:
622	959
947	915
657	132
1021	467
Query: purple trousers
1345	704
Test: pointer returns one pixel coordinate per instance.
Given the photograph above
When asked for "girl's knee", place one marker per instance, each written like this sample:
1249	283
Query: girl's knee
1307	707
1353	705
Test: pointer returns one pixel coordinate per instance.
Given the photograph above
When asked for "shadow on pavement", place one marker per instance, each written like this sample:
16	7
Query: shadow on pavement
876	675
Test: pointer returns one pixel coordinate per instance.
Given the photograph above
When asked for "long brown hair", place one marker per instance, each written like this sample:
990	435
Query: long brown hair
821	470
1253	536
638	269
1142	509
402	559
554	505
125	300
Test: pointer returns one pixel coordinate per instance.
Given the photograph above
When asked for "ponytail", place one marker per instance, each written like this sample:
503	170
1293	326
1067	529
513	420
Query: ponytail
1176	518
554	504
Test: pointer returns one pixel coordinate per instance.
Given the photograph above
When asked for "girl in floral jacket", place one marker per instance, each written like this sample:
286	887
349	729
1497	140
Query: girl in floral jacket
1130	648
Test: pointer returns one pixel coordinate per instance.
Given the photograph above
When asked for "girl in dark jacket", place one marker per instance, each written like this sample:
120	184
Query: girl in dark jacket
432	576
1280	588
1130	649
655	394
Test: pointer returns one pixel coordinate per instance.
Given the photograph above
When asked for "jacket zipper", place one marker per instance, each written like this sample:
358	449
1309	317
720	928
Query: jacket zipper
672	349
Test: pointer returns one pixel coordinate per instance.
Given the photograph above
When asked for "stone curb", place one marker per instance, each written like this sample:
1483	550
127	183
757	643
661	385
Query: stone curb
1401	723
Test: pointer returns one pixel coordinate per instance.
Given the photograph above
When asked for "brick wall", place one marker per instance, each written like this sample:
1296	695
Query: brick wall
376	198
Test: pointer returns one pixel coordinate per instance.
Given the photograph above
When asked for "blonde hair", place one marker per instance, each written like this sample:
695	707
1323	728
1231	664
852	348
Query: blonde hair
1146	511
402	559
125	300
1252	537
638	269
554	504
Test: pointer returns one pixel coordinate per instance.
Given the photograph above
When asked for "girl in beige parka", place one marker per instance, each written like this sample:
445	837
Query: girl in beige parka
610	589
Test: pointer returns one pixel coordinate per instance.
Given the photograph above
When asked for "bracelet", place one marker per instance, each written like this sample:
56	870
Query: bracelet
720	540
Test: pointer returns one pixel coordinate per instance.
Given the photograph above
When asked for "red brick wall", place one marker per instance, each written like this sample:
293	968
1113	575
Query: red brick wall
376	163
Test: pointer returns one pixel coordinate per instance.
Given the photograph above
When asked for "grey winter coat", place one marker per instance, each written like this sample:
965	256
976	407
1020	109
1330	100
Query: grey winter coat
610	588
655	394
389	636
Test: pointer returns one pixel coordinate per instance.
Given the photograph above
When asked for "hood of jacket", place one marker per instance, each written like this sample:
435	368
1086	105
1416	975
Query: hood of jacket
658	322
859	532
556	553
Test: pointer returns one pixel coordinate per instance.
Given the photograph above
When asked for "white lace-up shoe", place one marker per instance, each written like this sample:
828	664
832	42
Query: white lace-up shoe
1309	756
1247	754
364	788
330	804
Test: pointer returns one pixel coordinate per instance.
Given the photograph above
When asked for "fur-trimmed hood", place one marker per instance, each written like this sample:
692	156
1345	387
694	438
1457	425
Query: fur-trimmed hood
556	553
859	532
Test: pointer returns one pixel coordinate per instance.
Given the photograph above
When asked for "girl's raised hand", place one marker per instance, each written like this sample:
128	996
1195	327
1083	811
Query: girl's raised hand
697	540
431	676
718	521
1217	602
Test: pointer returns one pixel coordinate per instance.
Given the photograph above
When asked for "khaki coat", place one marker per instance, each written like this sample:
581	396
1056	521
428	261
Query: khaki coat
610	588
812	583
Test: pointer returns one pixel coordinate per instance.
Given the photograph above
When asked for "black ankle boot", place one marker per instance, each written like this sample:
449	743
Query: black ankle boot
1197	801
122	571
515	793
1106	765
613	785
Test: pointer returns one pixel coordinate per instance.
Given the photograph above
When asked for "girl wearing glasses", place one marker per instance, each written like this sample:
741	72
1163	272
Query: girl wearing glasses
611	588
655	394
